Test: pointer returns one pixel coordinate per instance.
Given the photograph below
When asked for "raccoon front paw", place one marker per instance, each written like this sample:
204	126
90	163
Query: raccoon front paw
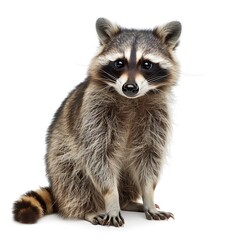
110	220
158	215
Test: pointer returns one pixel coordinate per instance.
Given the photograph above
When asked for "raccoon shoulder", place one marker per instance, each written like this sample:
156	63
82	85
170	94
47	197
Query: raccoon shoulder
69	109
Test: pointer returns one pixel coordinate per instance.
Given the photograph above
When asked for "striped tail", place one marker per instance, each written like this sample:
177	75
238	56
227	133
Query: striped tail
34	205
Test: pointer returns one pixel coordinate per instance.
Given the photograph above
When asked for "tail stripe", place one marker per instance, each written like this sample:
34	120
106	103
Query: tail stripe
34	205
53	206
39	199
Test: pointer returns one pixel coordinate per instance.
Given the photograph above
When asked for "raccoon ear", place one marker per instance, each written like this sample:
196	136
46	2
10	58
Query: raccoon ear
106	30
169	34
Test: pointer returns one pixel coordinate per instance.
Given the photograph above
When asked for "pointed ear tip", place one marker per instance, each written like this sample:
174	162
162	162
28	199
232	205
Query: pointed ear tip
100	21
176	24
103	22
100	18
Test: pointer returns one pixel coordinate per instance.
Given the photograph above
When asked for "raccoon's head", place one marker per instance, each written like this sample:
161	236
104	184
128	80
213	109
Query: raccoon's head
136	62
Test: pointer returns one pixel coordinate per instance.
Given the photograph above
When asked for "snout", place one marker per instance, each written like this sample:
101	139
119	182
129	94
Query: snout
130	89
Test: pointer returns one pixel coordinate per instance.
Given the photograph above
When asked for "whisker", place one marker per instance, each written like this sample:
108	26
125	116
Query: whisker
112	78
158	78
155	73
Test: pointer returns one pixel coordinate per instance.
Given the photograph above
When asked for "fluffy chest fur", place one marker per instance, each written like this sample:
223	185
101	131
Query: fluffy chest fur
128	128
105	110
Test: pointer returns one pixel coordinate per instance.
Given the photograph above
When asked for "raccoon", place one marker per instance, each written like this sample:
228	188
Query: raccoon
107	141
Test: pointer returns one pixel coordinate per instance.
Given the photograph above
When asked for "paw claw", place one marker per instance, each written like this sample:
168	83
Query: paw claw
115	222
121	219
95	221
107	220
148	215
158	215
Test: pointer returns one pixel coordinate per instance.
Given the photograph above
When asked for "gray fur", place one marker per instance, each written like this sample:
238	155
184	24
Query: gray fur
170	33
104	150
106	30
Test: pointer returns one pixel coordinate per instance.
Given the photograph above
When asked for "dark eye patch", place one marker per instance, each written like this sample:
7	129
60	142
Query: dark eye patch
113	70
153	72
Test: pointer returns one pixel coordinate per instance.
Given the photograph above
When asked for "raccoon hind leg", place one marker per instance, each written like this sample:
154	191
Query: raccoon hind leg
135	207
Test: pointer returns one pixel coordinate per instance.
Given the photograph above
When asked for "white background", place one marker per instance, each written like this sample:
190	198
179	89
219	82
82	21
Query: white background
45	48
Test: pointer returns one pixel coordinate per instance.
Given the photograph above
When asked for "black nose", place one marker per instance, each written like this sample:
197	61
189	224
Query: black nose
130	89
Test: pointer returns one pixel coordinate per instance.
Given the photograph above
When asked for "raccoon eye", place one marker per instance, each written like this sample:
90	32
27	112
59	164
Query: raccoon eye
119	63
147	65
